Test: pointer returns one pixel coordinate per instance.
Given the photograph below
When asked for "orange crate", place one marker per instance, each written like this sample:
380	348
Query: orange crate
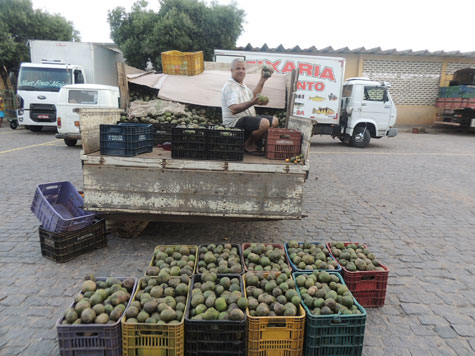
283	143
141	339
182	63
275	335
247	244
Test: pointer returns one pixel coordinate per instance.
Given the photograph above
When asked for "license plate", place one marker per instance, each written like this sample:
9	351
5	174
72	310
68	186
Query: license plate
43	116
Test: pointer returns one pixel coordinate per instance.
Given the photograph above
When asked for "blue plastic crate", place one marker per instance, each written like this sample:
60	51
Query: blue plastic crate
296	269
58	206
335	334
126	139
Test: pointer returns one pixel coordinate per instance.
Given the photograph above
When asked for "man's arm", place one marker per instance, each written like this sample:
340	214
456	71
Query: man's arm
237	108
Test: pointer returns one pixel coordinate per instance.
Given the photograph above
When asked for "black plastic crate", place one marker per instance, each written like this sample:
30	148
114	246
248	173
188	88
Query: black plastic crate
214	337
162	132
226	144
126	139
63	247
189	143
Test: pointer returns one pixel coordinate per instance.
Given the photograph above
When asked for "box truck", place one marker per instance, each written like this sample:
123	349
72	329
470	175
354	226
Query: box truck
53	65
354	111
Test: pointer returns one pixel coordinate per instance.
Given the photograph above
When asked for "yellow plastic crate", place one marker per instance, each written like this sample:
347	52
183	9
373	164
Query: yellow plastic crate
275	335
152	261
142	339
182	63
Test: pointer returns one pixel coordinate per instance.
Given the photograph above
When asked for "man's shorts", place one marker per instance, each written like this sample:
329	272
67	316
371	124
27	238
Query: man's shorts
251	123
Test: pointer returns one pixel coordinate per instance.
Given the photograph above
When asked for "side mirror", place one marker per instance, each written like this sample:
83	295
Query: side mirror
385	96
347	101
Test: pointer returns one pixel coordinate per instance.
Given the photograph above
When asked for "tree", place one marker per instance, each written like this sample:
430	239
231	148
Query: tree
184	25
19	22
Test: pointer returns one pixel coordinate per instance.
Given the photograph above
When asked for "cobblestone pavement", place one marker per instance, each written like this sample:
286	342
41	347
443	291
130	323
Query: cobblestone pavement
410	198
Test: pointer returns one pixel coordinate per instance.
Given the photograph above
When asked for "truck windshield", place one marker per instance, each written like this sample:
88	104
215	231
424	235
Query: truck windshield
44	79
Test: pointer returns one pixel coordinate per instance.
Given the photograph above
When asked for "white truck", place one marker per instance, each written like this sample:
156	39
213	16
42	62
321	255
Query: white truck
73	97
53	65
353	111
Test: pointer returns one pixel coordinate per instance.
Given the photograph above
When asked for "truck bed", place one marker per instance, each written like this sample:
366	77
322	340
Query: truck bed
155	187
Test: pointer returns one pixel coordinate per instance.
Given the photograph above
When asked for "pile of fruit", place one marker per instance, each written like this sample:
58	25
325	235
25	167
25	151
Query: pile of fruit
310	256
355	257
271	295
172	260
217	298
100	302
324	294
159	300
219	259
267	71
265	257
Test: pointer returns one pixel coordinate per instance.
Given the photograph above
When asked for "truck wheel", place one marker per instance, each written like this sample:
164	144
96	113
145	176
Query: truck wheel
361	137
70	142
35	128
13	124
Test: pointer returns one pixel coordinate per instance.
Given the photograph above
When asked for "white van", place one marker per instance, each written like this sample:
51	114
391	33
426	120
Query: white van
81	96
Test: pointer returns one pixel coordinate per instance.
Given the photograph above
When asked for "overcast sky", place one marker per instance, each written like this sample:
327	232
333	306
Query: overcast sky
400	24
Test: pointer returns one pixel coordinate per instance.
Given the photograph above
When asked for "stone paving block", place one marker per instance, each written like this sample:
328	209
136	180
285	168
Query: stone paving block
414	308
464	330
445	332
422	330
460	347
432	320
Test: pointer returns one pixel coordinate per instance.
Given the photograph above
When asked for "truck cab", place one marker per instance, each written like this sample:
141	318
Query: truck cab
367	111
81	96
38	87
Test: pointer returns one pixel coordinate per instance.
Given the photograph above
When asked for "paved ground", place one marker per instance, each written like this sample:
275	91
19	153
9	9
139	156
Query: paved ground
411	198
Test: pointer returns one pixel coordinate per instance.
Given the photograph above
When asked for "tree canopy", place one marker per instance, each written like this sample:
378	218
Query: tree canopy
19	22
183	25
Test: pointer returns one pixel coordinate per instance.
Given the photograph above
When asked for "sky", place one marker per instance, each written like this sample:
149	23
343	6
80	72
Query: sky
399	24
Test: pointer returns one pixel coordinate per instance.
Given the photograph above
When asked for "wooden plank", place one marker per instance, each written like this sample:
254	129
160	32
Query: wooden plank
123	85
184	192
90	120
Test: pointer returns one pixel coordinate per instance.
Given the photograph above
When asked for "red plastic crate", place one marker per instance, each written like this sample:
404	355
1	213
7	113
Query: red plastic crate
368	287
283	143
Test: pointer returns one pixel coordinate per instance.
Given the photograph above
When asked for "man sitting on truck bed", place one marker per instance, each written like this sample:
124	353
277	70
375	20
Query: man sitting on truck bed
237	105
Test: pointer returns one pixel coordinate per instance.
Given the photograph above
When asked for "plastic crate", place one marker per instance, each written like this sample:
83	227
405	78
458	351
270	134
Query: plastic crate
294	267
283	143
141	339
241	257
226	145
152	261
189	143
368	287
58	206
247	244
126	139
65	246
337	334
275	335
182	63
162	132
91	339
215	337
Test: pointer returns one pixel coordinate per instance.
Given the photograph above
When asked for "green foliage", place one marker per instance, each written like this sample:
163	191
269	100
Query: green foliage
183	25
19	22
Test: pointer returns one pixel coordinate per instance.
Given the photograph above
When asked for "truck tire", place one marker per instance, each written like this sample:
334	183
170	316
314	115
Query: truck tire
70	142
360	137
13	124
35	128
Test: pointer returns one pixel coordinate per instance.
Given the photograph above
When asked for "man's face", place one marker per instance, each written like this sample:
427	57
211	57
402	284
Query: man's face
239	72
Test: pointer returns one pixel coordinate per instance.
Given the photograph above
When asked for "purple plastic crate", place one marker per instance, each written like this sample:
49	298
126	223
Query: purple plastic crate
58	206
91	339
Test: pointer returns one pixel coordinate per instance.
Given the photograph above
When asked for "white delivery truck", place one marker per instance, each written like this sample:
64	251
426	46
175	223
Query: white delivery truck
53	65
353	111
73	97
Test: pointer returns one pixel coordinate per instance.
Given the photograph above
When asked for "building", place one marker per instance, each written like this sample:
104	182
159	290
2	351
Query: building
415	76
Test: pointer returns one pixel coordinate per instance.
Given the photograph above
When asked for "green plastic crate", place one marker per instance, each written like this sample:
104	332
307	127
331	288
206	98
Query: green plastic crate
333	335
